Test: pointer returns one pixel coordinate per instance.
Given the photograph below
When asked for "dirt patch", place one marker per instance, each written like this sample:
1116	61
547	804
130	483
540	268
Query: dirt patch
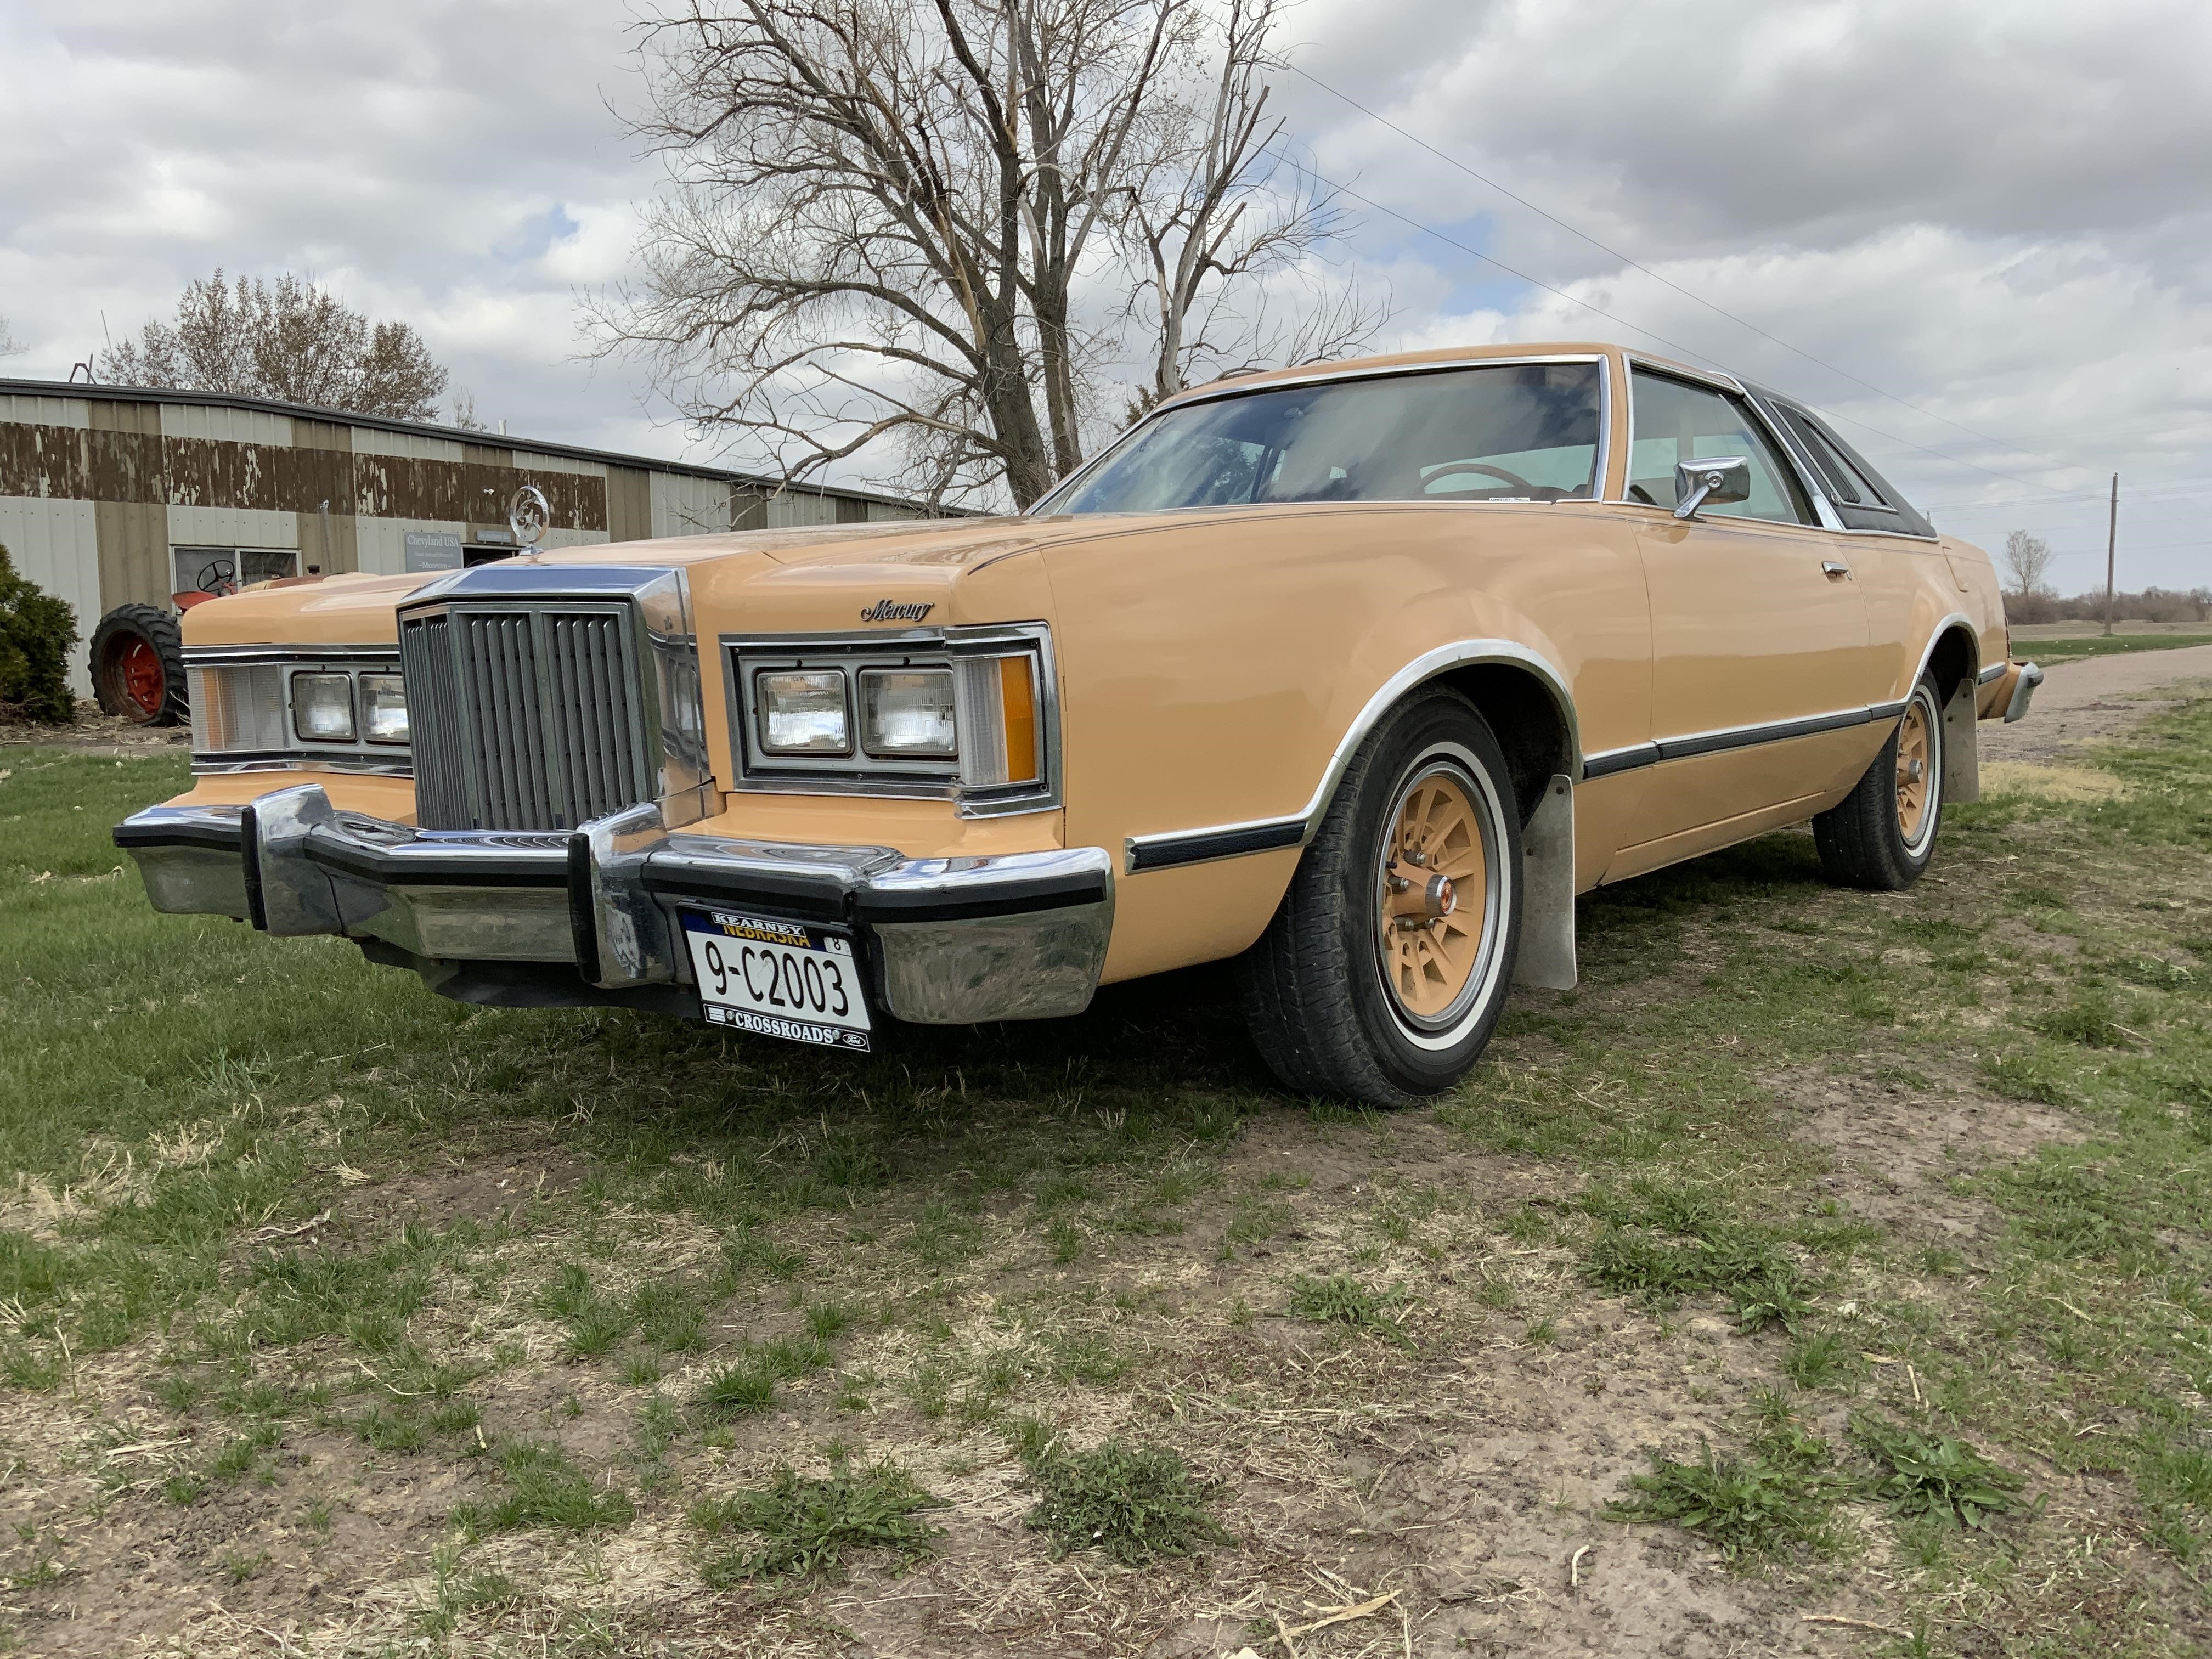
2069	783
2093	699
1896	1150
96	734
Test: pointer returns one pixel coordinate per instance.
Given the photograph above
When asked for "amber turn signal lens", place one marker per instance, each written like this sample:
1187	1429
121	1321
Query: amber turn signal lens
1018	696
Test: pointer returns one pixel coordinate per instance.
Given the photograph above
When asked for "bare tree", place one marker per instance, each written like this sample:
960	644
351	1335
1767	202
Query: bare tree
2028	561
292	341
462	412
934	225
10	345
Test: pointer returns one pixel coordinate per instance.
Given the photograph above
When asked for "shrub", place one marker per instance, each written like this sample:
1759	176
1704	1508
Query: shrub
36	633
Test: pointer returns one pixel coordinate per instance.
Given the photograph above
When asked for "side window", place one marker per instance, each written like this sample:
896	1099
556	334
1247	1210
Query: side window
1677	422
1852	484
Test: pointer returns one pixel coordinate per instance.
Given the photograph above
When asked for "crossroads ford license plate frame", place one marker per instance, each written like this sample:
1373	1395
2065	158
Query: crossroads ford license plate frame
782	978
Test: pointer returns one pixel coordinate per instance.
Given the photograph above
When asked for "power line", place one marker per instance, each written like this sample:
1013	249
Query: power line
1635	265
1615	317
2139	493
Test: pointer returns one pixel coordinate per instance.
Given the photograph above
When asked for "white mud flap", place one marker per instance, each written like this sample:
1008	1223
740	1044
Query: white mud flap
1548	891
1962	756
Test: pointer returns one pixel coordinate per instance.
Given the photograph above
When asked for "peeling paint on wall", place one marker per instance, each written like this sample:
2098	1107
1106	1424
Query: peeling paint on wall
68	463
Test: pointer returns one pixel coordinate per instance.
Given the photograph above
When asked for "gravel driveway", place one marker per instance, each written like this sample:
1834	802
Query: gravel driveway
2094	697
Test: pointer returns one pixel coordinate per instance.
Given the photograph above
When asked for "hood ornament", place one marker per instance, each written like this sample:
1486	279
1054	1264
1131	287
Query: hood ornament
529	515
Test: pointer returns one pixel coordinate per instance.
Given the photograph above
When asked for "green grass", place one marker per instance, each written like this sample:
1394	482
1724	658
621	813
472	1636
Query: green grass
272	1166
539	1485
2097	645
1135	1503
806	1528
1340	1299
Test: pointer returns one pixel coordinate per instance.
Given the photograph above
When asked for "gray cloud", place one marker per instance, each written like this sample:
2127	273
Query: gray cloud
1995	212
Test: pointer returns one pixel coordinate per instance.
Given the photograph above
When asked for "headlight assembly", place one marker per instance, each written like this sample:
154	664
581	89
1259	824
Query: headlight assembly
964	713
256	707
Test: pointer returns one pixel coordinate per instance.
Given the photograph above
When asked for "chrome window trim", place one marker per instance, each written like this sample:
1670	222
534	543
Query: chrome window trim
1830	518
1167	849
1824	514
907	779
1362	371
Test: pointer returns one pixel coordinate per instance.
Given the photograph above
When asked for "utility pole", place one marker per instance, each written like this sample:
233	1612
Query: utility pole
2112	544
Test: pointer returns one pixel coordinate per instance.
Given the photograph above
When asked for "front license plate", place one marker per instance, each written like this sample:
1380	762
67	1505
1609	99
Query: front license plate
782	978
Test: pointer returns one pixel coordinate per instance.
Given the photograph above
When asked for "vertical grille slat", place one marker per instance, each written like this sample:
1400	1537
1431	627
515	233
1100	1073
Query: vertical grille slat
528	719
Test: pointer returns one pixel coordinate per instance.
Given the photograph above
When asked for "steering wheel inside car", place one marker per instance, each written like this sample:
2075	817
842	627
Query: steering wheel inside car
1445	469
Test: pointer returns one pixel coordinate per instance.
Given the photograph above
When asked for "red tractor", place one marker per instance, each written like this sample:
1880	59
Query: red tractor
139	651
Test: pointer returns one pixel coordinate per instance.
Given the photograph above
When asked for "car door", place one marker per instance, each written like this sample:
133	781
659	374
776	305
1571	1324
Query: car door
1760	658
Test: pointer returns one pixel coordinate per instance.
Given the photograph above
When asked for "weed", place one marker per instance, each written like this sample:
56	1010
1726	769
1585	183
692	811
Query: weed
2091	1019
735	1390
454	1594
1821	1360
1340	1299
1767	1285
541	1487
807	1526
1923	1474
1758	1503
1135	1503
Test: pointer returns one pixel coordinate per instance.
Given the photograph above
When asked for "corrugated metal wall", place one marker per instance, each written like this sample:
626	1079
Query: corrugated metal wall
96	493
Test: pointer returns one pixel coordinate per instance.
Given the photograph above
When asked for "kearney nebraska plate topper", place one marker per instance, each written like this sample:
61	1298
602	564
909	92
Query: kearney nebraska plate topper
778	978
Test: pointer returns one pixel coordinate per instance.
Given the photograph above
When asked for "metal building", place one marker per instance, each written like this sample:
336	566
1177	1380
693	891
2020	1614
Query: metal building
117	494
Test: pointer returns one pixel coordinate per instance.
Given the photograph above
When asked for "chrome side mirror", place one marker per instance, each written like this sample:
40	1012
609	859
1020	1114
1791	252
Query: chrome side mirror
1717	479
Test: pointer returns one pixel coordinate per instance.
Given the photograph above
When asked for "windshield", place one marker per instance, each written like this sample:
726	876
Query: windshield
1519	431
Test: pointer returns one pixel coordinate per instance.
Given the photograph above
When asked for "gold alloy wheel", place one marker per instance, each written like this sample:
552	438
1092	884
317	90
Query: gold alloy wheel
1915	750
1434	896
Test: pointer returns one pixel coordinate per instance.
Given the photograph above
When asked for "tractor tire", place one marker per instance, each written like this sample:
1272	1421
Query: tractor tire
138	667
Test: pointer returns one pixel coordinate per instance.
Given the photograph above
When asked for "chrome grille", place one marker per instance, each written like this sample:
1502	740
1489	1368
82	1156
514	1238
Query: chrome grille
525	717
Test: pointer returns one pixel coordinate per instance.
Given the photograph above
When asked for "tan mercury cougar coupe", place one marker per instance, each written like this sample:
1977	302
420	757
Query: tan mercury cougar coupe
1356	674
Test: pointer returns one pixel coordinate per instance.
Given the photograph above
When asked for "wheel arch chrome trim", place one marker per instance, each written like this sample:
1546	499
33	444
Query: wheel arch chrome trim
1169	848
1965	624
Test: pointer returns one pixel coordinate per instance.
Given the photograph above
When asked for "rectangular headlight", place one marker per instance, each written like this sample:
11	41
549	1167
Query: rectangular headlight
384	708
322	707
907	711
803	712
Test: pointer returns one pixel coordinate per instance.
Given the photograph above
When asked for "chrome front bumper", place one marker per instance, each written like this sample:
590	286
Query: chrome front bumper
949	941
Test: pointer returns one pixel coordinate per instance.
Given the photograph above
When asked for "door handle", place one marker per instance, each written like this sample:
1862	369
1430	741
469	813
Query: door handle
1833	569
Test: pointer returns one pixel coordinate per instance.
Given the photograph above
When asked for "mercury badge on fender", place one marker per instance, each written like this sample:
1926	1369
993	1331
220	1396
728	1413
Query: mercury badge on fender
1356	675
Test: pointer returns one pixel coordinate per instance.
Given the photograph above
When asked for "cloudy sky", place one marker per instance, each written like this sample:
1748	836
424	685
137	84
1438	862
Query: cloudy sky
1979	235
